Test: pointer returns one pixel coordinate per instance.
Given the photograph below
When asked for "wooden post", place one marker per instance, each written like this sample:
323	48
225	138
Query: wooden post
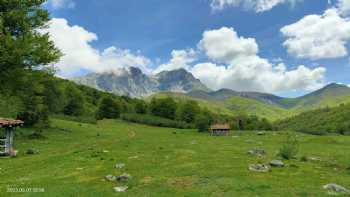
9	140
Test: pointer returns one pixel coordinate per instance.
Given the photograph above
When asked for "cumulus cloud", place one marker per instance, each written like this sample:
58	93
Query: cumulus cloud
59	4
179	59
318	36
242	69
79	55
344	6
257	5
224	45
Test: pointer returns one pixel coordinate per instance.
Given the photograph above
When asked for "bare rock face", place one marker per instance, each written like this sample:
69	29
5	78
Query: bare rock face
134	83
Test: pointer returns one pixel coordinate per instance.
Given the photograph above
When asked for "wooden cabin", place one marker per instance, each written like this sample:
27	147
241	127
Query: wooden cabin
6	142
220	129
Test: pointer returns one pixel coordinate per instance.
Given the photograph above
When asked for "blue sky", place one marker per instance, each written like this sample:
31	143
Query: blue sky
152	29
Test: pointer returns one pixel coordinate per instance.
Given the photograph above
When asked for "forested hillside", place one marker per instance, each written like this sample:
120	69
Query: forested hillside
320	121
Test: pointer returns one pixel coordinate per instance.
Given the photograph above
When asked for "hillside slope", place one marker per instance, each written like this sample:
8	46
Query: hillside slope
320	121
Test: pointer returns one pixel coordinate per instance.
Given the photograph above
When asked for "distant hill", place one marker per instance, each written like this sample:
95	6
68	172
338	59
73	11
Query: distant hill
133	82
181	84
320	121
266	105
330	95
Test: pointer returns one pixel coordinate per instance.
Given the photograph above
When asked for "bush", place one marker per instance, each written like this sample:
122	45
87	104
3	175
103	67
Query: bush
165	108
290	148
203	123
108	108
155	121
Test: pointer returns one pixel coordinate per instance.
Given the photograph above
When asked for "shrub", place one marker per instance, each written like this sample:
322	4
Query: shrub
290	147
108	108
155	121
165	107
203	123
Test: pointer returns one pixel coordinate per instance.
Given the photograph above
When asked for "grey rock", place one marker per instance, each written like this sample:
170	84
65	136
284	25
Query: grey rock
119	165
259	168
336	189
276	163
261	133
257	152
110	178
121	188
134	83
124	177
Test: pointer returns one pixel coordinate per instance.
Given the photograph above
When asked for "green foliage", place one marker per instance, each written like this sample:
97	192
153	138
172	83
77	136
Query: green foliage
155	121
23	46
75	104
320	121
250	123
108	108
290	147
203	123
188	111
141	107
164	107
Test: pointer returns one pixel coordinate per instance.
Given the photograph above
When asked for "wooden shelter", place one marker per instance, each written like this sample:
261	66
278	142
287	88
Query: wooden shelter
6	143
220	129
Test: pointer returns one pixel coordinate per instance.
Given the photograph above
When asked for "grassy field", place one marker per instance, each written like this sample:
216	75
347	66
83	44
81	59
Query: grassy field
75	157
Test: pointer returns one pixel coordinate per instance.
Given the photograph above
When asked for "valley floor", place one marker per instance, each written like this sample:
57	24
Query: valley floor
75	158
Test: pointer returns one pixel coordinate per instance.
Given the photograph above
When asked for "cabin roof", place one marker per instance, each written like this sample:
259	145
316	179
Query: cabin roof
220	126
4	122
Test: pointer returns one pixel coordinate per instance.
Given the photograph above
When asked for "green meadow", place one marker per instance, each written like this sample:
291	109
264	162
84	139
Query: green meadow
75	157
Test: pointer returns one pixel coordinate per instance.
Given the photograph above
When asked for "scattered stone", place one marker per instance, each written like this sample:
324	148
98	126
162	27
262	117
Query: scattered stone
335	189
105	151
32	151
314	158
134	157
124	177
259	168
110	178
261	133
257	152
121	188
79	168
119	165
277	163
194	142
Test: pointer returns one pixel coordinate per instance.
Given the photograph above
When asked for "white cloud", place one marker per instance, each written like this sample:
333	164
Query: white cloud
75	43
244	70
179	59
318	36
257	5
344	6
58	4
224	45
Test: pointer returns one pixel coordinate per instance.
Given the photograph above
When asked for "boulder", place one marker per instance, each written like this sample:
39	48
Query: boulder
124	177
336	189
276	163
121	188
257	152
119	165
259	168
110	178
